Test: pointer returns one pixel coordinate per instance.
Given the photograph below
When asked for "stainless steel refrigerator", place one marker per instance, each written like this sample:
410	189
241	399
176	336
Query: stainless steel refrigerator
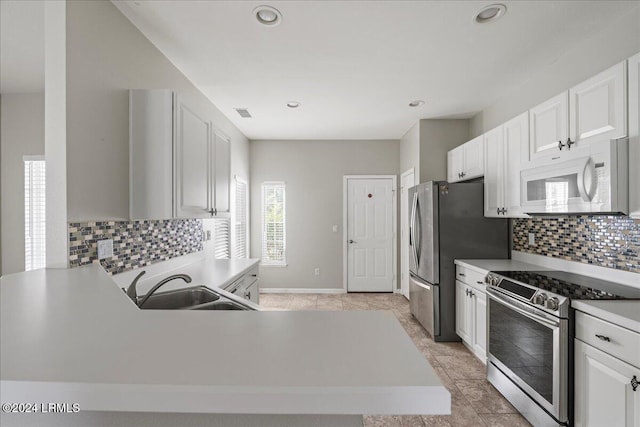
446	223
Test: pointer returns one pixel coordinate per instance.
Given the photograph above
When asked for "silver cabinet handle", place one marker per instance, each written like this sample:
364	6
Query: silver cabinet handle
603	338
352	241
479	282
461	274
634	383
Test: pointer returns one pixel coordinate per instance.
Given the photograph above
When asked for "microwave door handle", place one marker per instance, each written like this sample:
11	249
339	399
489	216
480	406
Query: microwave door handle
587	181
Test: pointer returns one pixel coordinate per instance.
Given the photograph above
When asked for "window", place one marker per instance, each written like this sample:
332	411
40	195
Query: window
273	224
241	220
221	229
34	213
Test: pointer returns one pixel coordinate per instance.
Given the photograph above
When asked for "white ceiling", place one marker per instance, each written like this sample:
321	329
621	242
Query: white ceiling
21	46
355	65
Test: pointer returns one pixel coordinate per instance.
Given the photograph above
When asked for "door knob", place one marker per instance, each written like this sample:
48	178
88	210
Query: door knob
352	241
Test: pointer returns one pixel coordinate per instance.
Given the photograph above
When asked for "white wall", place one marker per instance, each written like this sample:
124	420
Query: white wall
410	150
21	133
437	137
106	56
611	45
313	172
424	147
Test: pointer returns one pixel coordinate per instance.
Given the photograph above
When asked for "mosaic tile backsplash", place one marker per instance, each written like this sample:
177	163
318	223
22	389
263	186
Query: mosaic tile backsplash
605	241
135	243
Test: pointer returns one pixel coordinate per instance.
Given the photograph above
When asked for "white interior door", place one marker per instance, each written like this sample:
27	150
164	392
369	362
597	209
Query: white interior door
370	236
406	182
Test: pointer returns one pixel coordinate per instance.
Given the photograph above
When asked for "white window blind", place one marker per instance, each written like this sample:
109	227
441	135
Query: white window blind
274	234
241	220
221	238
34	213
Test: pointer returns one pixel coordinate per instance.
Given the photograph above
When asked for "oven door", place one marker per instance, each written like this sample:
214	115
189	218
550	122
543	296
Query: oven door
530	347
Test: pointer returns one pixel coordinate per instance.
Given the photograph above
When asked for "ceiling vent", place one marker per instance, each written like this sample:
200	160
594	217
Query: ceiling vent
244	113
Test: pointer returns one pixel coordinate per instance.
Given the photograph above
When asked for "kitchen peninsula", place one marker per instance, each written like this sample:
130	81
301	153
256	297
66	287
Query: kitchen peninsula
72	336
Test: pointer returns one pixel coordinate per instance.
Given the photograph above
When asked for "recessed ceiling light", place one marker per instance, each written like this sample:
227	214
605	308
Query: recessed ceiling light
416	103
293	104
490	13
267	15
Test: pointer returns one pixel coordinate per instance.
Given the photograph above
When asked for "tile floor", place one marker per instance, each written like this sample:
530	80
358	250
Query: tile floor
474	402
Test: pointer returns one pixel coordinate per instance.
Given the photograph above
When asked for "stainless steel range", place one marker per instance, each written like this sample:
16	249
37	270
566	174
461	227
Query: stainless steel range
530	345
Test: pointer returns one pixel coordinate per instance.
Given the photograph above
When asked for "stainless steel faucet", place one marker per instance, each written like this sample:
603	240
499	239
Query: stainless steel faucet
131	290
144	299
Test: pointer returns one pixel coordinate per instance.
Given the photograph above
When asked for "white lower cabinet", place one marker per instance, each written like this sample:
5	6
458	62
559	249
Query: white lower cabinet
246	286
604	393
607	372
471	311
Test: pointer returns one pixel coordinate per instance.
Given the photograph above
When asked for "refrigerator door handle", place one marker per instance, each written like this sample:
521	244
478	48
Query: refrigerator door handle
412	228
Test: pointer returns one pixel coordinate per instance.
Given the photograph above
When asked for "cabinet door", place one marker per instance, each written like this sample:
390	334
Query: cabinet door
516	144
222	173
150	154
473	155
462	312
252	293
455	164
604	395
493	174
480	325
598	107
548	125
634	136
192	164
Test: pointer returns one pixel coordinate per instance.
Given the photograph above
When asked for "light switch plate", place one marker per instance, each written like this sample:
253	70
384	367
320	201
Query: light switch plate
335	228
105	248
532	239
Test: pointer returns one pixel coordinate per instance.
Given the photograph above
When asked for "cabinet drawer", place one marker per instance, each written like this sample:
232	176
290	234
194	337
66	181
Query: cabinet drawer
612	339
470	277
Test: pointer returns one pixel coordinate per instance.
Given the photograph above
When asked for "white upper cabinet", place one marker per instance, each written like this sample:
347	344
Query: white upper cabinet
192	164
473	158
179	167
516	143
505	152
466	161
548	127
598	107
634	136
150	154
494	175
592	111
455	164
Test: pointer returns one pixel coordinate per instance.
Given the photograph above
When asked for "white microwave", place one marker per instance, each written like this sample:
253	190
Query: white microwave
594	179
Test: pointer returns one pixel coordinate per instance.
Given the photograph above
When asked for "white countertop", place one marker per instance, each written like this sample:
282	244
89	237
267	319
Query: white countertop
621	313
486	265
215	273
74	336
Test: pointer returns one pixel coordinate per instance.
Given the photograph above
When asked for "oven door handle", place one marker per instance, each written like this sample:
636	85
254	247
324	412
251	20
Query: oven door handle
500	299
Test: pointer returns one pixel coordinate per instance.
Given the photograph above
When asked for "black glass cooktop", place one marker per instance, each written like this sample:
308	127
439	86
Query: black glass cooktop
573	286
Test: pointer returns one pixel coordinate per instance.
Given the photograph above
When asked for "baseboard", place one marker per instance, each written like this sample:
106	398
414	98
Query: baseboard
301	291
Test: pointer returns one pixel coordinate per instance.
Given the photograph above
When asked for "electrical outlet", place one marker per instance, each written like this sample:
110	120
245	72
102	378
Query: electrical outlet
105	248
532	239
317	271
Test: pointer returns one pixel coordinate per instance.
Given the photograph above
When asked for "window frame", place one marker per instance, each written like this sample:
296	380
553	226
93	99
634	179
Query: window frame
244	221
28	215
268	262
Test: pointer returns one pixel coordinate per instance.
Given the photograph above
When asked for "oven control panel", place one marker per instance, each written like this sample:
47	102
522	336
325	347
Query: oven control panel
547	301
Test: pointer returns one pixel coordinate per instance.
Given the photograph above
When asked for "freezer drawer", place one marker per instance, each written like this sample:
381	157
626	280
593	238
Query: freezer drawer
424	305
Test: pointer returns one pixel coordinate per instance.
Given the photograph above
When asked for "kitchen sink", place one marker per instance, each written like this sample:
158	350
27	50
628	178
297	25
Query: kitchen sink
193	298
